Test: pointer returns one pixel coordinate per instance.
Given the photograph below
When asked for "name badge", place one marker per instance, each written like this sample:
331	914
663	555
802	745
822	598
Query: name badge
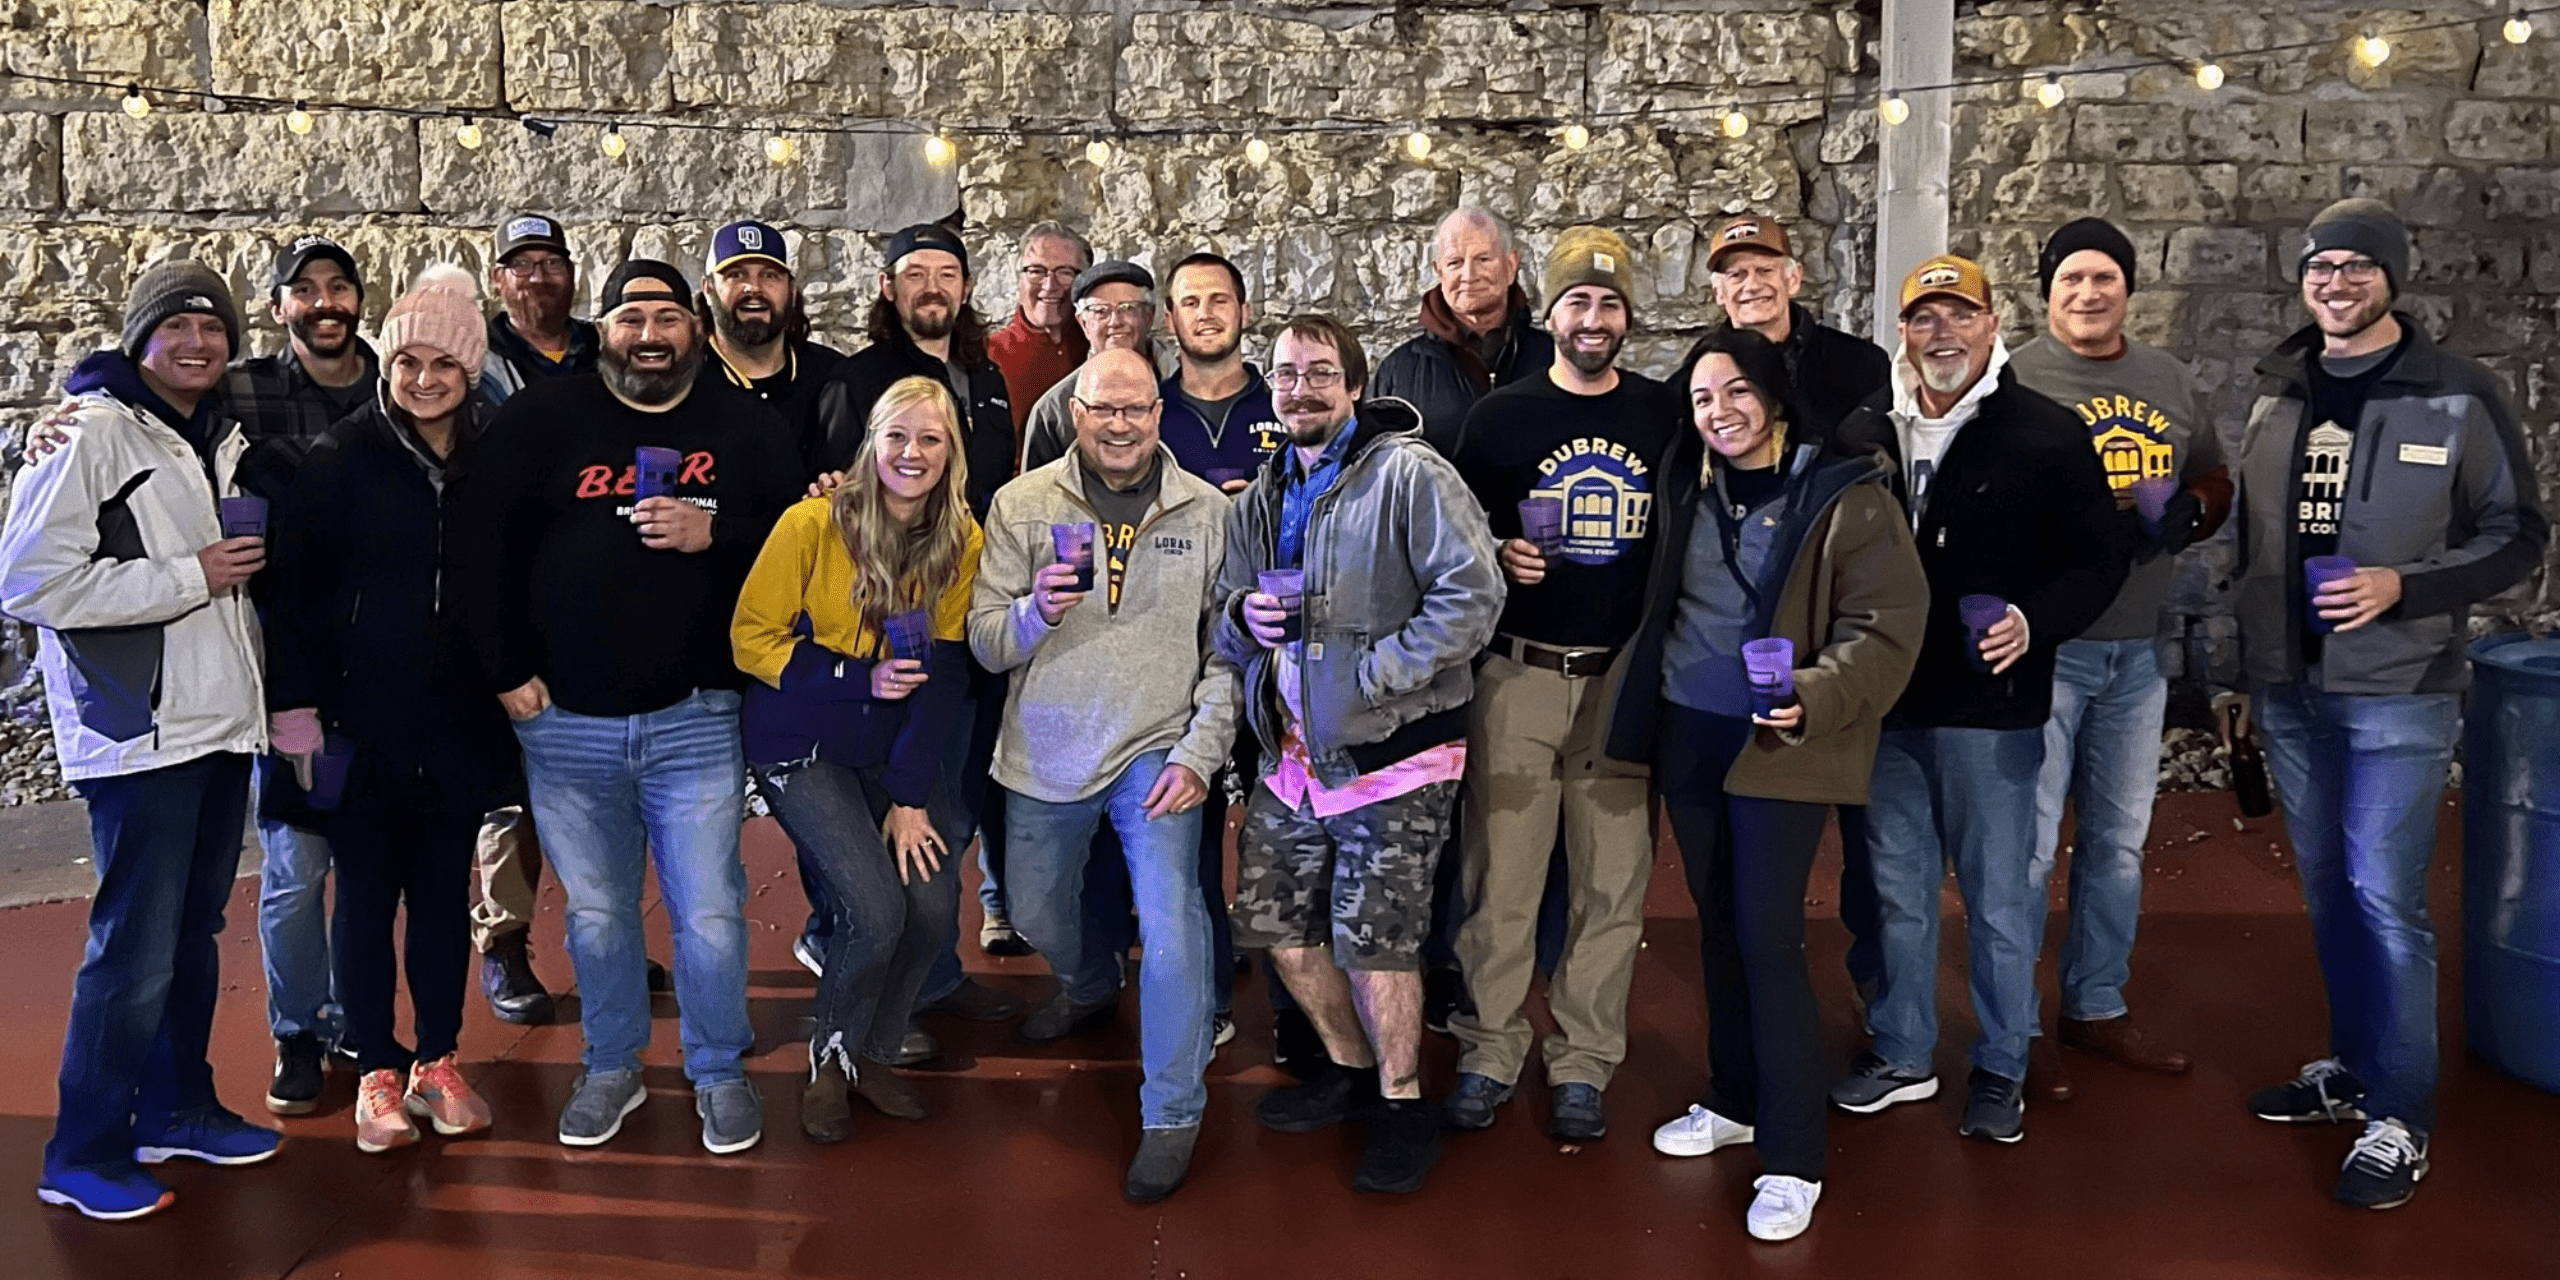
2432	455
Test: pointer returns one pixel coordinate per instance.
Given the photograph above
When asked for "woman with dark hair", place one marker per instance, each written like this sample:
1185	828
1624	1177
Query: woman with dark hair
1765	538
847	735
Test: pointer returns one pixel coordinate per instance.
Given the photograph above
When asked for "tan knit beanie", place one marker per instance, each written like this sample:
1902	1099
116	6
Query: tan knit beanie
1589	255
442	313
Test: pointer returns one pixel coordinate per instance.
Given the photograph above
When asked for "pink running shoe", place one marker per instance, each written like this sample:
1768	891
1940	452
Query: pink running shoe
381	1122
439	1095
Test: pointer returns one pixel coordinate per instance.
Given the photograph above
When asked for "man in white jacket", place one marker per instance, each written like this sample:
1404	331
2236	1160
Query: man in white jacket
115	549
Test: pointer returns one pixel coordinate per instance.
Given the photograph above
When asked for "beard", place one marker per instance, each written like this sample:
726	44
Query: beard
753	330
1946	377
1202	351
1309	435
929	328
2362	318
303	326
649	386
1589	363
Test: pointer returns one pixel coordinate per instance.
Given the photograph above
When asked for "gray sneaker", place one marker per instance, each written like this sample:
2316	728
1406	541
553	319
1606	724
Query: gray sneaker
732	1116
597	1105
1874	1084
1162	1163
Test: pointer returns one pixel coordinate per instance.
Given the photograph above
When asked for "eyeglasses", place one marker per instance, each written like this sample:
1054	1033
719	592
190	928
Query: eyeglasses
528	268
1932	321
2353	271
1117	412
1319	376
1095	309
1064	277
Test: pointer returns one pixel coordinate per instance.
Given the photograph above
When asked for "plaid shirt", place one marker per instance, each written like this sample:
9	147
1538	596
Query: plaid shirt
274	398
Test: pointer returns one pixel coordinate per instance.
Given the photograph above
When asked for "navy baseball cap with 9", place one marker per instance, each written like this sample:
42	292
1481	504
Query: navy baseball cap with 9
299	253
531	231
744	239
924	235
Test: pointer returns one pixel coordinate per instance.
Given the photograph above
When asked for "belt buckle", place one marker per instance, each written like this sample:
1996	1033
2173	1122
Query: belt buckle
1570	662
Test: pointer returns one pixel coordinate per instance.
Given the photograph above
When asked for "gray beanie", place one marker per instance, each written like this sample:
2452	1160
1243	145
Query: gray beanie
177	287
2366	226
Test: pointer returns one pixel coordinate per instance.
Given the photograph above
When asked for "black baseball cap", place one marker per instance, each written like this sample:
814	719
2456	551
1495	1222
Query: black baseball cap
531	231
924	235
643	280
298	254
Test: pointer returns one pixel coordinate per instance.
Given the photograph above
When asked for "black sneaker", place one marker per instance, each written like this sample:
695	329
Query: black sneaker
1574	1114
1329	1097
2325	1092
295	1090
507	978
1997	1111
2384	1169
1295	1046
1874	1084
1404	1142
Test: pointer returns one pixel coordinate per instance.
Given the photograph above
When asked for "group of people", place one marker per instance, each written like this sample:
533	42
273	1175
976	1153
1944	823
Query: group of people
1447	629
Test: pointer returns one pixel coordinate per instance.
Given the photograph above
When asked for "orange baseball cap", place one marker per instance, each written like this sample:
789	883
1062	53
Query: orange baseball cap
1946	276
1750	231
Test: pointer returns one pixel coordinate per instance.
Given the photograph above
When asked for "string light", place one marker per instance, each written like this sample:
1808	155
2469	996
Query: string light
780	149
1735	123
2372	50
469	135
1097	153
1894	109
1257	152
2049	94
135	104
299	119
1418	145
2519	29
612	143
2209	76
1574	137
939	152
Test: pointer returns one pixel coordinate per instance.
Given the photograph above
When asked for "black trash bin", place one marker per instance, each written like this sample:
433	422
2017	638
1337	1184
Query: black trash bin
2511	857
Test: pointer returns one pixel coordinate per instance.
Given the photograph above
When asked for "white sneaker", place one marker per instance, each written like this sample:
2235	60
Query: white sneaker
1784	1207
1698	1133
809	957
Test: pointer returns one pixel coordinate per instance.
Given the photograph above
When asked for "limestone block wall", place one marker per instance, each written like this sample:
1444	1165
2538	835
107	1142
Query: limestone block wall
2457	128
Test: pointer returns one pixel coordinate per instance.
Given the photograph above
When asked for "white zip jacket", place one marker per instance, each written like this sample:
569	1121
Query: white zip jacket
143	667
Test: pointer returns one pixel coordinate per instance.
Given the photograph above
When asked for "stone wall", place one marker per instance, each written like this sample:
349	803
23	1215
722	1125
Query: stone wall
2457	128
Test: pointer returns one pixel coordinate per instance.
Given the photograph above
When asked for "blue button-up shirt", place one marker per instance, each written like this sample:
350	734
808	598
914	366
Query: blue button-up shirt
1298	495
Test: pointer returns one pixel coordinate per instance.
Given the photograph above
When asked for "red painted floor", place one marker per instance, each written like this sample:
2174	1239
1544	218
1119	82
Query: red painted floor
1017	1174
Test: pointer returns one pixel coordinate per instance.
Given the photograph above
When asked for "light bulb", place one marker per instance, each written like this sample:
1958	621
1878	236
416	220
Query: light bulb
1894	110
2209	76
2518	29
2372	50
1418	145
469	135
135	104
1736	124
2049	94
939	152
1257	152
298	119
780	149
612	143
1575	137
1097	153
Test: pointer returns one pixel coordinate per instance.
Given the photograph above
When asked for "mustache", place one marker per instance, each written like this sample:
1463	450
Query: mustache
339	314
1301	404
931	297
639	349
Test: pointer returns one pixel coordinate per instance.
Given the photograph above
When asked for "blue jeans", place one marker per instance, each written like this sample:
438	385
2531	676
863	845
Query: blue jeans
2360	777
607	792
1967	797
168	844
1046	846
293	926
2102	750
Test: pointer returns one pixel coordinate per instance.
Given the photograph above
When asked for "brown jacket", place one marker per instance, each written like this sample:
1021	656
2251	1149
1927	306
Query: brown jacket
1855	600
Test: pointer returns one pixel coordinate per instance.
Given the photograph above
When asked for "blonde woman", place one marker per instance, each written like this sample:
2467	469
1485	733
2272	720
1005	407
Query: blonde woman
848	740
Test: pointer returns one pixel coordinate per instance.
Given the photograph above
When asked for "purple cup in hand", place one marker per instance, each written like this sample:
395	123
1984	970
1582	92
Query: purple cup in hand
1224	476
1074	544
1289	587
1980	614
654	471
244	517
2151	496
1542	524
329	772
2319	572
910	634
1771	664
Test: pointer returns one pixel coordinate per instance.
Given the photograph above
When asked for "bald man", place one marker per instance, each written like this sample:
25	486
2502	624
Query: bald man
1115	709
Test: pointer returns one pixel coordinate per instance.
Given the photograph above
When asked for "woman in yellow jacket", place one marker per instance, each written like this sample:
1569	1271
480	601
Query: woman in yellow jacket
853	623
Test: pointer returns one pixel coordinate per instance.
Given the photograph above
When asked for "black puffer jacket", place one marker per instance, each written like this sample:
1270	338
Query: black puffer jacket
1442	382
1833	372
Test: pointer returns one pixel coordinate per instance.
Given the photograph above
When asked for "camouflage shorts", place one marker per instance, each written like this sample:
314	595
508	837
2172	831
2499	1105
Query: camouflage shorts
1369	868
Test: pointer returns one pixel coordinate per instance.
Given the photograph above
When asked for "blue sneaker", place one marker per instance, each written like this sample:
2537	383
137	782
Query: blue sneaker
212	1135
109	1196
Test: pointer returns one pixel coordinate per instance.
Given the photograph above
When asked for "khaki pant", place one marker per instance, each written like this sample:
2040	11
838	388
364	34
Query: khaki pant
1533	753
507	861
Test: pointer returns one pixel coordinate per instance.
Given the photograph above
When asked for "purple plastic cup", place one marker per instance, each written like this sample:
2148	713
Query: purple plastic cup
1771	664
329	772
910	634
2151	496
654	471
1980	614
1074	544
1224	476
1542	524
244	517
1289	587
2318	572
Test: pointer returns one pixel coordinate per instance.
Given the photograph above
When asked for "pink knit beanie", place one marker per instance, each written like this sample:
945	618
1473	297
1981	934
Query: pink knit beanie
442	313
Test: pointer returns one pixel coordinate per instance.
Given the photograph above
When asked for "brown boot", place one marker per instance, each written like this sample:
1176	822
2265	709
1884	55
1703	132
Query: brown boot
887	1092
2119	1041
2047	1079
826	1110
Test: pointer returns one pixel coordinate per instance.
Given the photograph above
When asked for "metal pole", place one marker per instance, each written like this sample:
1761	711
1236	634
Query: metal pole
1917	46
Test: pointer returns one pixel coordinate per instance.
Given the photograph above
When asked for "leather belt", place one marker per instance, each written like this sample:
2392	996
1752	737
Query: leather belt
1573	664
